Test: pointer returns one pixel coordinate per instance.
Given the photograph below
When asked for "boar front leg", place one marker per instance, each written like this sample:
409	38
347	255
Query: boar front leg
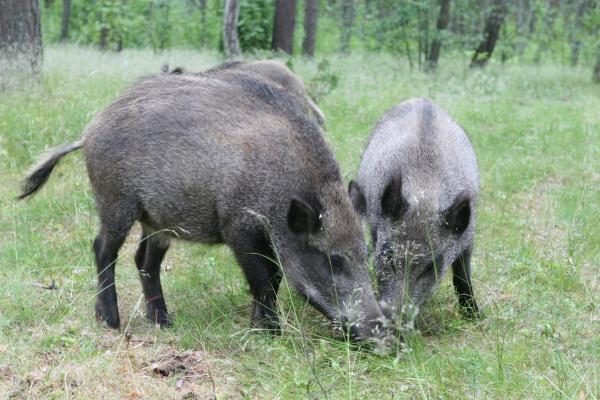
461	269
257	259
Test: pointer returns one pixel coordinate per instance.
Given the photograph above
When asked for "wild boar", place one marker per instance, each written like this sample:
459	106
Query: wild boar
224	158
276	72
417	185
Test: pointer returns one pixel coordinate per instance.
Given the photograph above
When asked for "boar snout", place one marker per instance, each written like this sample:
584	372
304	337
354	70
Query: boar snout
371	329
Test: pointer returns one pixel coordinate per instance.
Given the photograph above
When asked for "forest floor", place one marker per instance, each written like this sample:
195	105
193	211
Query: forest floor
536	267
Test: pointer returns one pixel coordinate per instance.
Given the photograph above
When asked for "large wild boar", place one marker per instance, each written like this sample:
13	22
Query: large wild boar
224	158
417	185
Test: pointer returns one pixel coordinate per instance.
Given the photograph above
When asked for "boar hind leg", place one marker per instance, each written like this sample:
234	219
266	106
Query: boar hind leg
106	248
148	258
461	269
257	261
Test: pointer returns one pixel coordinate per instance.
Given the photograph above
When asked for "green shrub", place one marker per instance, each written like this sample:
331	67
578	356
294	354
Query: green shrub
255	24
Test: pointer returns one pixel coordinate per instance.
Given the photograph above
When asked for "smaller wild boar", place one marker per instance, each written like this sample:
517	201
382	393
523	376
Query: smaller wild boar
417	186
224	157
276	72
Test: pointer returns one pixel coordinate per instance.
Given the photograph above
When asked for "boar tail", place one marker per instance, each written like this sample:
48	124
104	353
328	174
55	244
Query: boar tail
39	173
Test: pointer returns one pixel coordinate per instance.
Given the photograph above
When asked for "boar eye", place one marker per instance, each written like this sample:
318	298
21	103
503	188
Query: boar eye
456	218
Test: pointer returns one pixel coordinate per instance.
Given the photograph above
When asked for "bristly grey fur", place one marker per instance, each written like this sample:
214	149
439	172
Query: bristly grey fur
417	185
188	155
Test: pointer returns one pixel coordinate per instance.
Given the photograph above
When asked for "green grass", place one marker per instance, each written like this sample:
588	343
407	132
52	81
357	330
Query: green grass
536	132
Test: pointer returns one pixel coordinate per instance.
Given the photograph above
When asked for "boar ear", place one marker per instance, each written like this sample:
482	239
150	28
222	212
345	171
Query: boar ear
357	197
457	217
393	204
302	218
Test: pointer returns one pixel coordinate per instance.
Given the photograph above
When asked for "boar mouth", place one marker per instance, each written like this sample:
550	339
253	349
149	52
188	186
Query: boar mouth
375	331
359	329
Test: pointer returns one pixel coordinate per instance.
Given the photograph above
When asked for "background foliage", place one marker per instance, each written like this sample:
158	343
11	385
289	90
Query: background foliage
534	30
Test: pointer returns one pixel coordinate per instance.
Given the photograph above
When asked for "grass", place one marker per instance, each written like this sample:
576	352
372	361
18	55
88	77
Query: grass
535	130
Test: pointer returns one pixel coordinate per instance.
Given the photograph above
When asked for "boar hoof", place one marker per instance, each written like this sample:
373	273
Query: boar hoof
267	325
159	316
265	322
471	313
109	315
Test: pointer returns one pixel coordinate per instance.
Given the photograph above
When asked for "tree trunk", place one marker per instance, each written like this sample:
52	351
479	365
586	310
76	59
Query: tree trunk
596	74
311	10
491	32
284	25
533	20
203	22
201	6
348	13
546	29
524	16
436	45
381	13
575	32
103	39
231	42
423	36
20	38
66	15
407	50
